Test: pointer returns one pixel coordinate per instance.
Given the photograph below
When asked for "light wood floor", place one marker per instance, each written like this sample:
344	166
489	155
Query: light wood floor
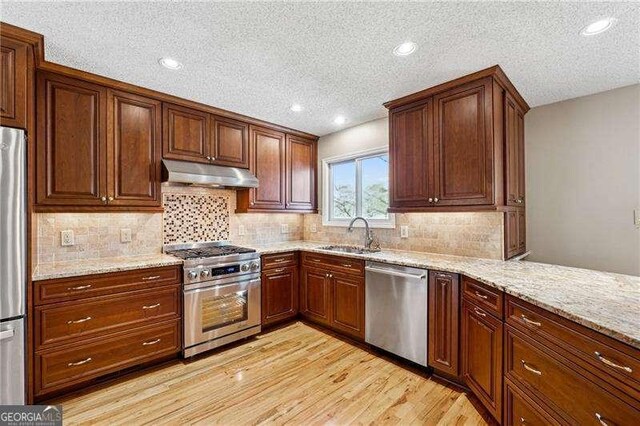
294	375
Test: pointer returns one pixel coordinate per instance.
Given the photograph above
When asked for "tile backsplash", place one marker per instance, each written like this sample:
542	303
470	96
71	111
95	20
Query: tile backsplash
191	217
478	234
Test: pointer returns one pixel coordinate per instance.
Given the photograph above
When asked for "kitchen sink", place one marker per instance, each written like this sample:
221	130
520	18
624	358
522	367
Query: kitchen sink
349	249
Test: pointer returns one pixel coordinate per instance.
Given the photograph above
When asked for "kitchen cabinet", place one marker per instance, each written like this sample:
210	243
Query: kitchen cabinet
332	291
444	308
90	326
16	67
481	357
71	168
186	134
134	143
300	155
97	148
229	142
447	145
279	288
515	241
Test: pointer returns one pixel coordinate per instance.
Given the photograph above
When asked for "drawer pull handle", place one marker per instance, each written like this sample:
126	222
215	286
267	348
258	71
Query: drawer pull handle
79	321
479	312
531	369
612	364
528	321
601	419
280	260
346	265
153	277
481	296
151	342
279	270
315	260
523	421
80	287
84	361
151	306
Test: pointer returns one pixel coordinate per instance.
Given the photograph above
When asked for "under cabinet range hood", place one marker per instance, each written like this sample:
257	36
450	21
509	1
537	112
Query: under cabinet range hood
187	173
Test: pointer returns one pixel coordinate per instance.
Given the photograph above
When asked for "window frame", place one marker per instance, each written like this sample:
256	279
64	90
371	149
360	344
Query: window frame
327	185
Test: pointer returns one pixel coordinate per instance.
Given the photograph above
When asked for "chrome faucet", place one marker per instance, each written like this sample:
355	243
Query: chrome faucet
368	236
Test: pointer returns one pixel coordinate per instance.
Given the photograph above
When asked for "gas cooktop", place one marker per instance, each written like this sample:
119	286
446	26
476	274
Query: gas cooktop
204	252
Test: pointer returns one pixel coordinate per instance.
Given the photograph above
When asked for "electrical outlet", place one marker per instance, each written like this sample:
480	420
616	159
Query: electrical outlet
636	217
314	227
66	238
404	231
241	230
125	235
284	228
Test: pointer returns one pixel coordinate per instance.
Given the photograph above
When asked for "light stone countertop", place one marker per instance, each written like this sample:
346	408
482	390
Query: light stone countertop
74	268
603	301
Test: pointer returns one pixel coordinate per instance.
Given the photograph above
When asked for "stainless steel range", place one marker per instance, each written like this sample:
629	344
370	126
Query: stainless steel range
221	294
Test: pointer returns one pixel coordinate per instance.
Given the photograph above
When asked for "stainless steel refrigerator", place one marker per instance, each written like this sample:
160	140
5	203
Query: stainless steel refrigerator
13	260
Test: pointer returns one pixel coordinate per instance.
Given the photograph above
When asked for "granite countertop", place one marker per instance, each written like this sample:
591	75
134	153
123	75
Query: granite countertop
47	271
603	301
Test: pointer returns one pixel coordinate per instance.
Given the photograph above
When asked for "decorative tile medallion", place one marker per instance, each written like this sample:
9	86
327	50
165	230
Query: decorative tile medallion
195	217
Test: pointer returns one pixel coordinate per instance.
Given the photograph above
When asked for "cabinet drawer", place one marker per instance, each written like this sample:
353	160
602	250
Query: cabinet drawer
74	288
484	296
279	260
77	363
521	410
63	322
613	361
573	393
333	263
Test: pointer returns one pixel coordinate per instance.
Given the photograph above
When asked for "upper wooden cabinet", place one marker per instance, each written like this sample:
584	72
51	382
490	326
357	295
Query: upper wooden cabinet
447	145
229	142
186	134
285	166
16	61
95	147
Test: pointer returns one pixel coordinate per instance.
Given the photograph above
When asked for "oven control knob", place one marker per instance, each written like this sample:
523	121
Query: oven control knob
255	266
193	275
204	273
244	267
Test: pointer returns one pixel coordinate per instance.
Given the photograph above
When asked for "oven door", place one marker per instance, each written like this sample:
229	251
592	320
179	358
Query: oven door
219	310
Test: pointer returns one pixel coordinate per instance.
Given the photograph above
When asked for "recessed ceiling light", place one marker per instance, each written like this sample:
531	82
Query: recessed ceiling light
405	49
598	27
296	107
340	120
170	63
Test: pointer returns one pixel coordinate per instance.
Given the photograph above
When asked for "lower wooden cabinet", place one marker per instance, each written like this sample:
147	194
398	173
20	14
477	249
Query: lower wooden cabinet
347	313
87	327
444	308
520	409
279	294
315	294
481	343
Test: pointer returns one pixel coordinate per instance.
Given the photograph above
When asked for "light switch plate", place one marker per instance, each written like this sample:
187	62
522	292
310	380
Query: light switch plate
284	228
241	230
125	235
66	238
404	231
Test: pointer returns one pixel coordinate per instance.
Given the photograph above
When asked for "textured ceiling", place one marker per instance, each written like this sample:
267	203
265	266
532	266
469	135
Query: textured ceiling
335	58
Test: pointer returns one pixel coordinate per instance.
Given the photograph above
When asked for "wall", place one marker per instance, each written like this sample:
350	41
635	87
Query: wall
583	181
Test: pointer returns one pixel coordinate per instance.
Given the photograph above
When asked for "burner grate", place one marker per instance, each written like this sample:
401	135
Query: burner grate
199	253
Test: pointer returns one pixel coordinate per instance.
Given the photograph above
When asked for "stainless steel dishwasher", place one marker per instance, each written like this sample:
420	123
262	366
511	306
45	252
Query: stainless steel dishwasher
396	310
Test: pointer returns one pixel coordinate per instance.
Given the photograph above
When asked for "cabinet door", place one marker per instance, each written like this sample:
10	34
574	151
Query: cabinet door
481	340
348	304
186	134
514	133
267	162
410	155
515	232
71	144
300	174
279	294
522	231
315	295
444	305
14	82
229	142
134	150
463	145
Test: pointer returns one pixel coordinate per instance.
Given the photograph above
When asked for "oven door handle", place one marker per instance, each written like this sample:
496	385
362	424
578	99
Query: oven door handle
208	287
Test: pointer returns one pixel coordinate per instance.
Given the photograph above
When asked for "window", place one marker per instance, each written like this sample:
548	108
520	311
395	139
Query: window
357	185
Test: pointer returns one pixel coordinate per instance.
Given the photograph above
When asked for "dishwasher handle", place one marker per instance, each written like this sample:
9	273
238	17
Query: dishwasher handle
395	273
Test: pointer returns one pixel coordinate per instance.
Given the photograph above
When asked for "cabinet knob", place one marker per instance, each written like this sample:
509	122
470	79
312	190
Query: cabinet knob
110	198
435	200
431	200
213	158
208	158
103	199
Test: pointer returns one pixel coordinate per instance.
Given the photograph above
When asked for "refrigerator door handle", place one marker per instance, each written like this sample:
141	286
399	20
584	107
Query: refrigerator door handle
7	334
